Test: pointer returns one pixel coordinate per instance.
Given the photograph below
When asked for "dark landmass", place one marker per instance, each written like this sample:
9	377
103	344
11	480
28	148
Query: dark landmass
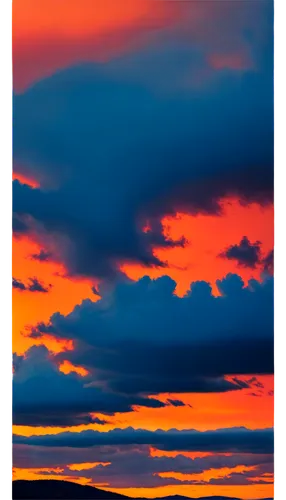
52	489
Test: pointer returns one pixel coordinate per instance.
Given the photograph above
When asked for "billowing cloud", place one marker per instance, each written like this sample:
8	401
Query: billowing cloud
142	338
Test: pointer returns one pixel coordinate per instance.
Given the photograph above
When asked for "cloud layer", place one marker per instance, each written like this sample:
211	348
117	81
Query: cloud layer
141	340
234	440
42	395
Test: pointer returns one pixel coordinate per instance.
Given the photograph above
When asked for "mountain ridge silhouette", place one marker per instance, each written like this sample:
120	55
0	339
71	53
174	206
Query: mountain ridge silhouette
56	489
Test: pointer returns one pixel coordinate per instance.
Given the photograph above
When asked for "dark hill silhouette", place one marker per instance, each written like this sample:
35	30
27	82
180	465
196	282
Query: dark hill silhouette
52	489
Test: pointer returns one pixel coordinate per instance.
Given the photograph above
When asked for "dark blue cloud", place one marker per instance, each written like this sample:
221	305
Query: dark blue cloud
181	345
245	253
112	150
143	339
41	256
175	402
44	396
18	284
233	440
95	291
34	285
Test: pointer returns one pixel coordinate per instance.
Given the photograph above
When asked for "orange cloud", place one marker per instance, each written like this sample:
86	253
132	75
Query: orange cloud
67	367
207	475
269	478
46	473
190	454
87	465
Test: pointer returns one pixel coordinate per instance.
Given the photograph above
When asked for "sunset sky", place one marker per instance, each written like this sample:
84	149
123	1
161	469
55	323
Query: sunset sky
143	245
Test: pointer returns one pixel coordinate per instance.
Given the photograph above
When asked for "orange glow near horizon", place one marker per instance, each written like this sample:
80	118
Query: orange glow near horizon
244	492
